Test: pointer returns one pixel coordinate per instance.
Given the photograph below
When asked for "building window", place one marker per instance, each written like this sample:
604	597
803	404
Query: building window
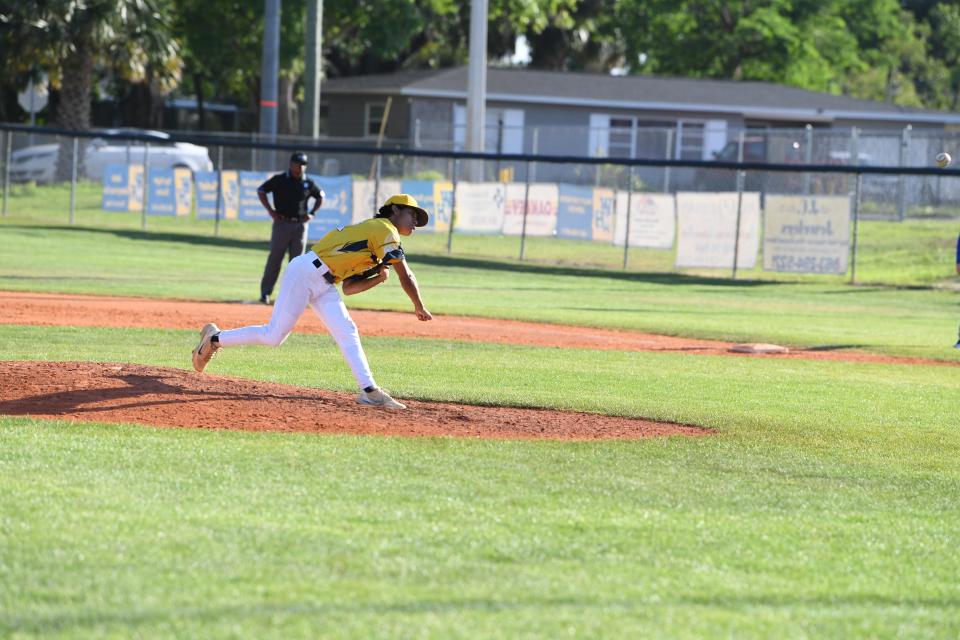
689	140
621	138
374	118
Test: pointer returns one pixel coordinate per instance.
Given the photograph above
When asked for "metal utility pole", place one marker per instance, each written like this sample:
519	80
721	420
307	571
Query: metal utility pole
270	70
477	85
310	119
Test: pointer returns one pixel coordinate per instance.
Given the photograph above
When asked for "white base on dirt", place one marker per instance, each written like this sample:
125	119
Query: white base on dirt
758	347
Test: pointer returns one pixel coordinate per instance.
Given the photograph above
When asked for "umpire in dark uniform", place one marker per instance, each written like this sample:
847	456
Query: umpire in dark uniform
291	190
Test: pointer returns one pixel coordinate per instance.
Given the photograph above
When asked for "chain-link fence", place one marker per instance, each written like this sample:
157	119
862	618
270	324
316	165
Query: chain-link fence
655	213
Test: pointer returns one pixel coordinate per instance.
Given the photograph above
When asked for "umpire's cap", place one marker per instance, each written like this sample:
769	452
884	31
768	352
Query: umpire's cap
299	157
404	200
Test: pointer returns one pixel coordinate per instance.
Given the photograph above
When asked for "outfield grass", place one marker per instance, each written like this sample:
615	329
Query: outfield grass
824	507
917	252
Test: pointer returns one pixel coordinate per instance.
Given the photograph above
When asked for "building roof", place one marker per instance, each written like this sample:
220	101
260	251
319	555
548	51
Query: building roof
749	99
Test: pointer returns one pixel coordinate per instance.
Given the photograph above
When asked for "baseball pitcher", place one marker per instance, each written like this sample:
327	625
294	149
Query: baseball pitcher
359	257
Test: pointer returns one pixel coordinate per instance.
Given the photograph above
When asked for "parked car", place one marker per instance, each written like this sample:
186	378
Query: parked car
758	148
38	163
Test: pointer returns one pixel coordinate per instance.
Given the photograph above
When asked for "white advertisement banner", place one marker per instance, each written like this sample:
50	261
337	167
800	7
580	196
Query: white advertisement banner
706	228
653	220
480	207
806	234
367	199
541	210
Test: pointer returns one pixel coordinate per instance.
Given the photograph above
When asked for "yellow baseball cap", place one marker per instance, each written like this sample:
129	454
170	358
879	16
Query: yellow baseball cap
405	200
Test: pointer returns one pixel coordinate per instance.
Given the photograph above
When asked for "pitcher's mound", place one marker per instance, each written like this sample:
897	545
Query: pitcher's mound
758	347
114	392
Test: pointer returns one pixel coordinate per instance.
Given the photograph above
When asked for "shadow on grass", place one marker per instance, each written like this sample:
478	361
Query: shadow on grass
162	236
319	613
455	262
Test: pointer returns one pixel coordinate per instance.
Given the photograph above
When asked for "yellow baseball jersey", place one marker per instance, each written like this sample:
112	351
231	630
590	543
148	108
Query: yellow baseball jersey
349	251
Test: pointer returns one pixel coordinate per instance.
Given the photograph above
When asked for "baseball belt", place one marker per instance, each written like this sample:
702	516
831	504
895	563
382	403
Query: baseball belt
329	277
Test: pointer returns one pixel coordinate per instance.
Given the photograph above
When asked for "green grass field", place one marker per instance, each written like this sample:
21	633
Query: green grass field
825	507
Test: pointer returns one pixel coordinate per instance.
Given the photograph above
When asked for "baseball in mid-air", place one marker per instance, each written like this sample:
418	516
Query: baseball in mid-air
944	160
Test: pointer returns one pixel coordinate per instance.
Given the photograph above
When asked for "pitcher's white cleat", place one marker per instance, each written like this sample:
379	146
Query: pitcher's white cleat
379	398
205	349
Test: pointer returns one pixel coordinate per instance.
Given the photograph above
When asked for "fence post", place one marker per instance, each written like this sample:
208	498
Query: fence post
626	230
216	214
416	145
856	227
807	156
6	171
73	180
499	147
526	207
902	179
668	153
534	151
741	179
146	185
453	206
376	181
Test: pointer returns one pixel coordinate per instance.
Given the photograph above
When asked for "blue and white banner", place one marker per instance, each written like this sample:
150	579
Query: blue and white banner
250	205
161	195
116	188
337	208
207	194
575	212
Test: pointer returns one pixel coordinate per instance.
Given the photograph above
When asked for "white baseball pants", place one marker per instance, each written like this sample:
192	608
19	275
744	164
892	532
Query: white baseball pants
304	284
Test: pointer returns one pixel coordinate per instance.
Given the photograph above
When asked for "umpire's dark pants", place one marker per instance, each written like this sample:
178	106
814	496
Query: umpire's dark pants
288	237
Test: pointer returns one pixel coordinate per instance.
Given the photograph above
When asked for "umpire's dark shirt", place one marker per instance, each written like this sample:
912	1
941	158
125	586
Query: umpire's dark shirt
290	195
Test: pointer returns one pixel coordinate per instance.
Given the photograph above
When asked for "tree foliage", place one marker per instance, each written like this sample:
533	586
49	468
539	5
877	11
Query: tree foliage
905	52
68	39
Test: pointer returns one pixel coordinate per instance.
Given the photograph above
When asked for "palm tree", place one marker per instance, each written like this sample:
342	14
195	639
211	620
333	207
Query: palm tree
68	38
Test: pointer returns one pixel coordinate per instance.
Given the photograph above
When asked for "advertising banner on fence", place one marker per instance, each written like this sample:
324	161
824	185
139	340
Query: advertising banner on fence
230	194
250	206
161	194
706	228
480	207
443	201
422	190
116	188
541	210
367	199
207	194
183	190
604	203
135	182
806	234
575	212
653	220
337	209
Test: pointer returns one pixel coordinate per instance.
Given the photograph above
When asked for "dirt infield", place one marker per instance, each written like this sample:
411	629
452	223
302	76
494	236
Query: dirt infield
93	311
110	392
113	392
